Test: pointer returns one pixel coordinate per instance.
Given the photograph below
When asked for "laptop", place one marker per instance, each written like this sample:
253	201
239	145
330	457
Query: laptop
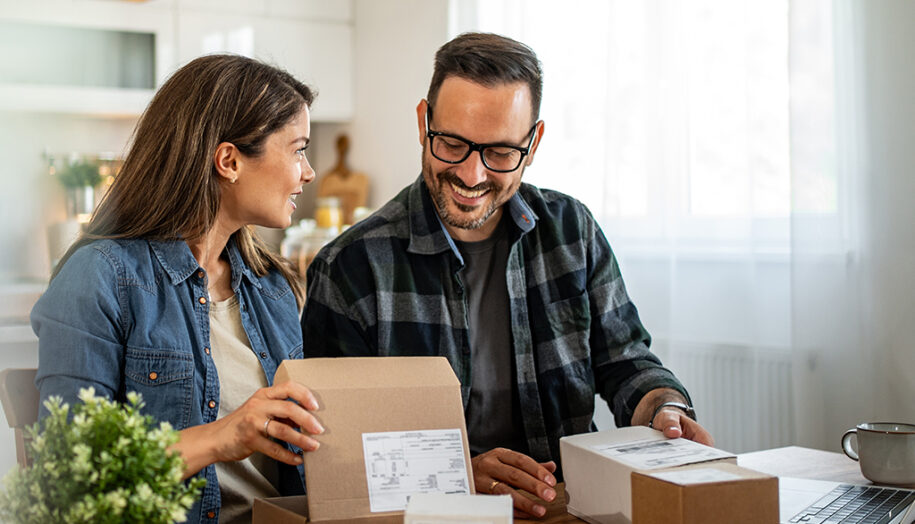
803	501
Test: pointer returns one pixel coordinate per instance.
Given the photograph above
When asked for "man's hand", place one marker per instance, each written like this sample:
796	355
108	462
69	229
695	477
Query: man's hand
672	421
502	471
675	423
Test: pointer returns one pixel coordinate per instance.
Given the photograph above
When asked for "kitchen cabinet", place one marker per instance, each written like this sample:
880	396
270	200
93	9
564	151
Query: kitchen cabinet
314	10
318	53
312	39
67	56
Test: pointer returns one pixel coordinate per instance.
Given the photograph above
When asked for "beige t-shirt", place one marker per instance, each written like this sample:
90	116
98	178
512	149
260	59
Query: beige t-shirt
240	375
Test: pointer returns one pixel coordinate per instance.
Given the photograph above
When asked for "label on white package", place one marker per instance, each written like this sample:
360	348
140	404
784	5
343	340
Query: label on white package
401	463
656	454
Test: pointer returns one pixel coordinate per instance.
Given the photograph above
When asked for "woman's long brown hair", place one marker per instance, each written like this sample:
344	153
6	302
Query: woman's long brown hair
168	187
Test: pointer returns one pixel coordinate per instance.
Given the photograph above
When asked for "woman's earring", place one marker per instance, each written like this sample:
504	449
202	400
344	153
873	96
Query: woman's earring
234	179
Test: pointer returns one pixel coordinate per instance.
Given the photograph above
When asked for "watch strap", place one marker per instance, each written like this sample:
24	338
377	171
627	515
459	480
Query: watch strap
686	408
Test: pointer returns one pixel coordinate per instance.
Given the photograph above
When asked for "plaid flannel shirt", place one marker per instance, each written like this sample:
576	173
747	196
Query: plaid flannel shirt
391	286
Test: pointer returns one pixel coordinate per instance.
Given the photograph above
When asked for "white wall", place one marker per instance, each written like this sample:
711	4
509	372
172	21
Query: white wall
889	76
392	73
395	45
867	328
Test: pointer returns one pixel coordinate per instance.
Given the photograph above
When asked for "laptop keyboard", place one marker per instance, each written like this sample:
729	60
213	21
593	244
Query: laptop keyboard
849	504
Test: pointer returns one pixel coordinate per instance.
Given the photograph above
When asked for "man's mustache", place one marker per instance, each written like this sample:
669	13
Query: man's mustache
450	177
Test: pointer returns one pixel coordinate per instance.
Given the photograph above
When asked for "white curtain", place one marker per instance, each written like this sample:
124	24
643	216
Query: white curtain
720	144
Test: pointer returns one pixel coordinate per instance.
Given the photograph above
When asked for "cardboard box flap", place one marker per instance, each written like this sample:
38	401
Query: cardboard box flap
294	510
280	510
331	509
705	473
370	372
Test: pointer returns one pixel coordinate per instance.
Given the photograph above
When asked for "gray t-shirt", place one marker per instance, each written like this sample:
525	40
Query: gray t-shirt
492	415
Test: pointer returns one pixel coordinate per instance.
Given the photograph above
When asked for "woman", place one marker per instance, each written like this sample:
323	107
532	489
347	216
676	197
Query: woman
170	294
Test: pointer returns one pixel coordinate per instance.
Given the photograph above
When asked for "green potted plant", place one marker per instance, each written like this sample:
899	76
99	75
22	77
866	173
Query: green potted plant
107	463
80	178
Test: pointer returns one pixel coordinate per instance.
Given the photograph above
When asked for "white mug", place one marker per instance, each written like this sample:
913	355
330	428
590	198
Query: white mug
885	451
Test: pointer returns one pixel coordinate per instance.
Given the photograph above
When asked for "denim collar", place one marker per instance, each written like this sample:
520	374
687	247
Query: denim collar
179	263
428	235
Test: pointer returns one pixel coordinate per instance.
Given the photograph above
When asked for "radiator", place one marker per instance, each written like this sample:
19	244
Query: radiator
744	396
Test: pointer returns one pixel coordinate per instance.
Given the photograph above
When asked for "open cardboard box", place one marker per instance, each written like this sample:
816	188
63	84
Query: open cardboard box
401	415
598	467
294	510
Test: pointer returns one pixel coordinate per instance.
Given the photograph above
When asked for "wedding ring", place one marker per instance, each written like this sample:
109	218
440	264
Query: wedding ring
266	423
492	487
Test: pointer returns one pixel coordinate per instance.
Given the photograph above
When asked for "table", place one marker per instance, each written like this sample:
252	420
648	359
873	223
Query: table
795	461
791	461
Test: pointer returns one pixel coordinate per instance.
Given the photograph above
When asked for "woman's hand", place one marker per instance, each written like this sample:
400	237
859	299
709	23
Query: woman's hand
251	428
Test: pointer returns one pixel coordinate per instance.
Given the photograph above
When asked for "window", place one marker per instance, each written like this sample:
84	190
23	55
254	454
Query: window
670	119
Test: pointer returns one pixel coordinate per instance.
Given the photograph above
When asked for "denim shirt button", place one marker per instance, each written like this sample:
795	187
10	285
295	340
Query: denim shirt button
263	354
212	404
211	515
200	274
153	376
206	350
202	300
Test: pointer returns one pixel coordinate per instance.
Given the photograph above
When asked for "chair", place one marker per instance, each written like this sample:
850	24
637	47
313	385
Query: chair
19	397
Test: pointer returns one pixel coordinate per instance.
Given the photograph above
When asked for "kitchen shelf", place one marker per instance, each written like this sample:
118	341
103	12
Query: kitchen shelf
17	299
16	334
88	101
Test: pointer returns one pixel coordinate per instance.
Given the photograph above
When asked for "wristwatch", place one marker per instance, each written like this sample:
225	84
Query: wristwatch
690	412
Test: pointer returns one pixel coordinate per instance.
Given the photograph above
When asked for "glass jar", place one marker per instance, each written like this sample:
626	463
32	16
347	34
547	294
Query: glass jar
329	213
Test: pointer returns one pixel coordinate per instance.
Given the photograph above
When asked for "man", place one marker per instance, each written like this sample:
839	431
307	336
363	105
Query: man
515	285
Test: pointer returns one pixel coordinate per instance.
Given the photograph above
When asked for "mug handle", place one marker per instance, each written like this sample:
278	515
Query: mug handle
846	443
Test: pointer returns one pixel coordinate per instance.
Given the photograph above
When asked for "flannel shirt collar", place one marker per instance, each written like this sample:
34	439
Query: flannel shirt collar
428	235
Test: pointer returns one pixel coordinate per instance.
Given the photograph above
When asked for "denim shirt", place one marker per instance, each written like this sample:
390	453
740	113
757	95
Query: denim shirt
132	315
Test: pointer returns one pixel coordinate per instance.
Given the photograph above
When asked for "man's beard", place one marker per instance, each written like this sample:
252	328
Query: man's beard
442	200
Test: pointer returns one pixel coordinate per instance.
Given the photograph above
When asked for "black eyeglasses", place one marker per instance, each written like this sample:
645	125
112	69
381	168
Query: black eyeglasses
453	149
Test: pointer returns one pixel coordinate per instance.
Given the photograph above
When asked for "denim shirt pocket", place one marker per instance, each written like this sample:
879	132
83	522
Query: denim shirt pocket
165	378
